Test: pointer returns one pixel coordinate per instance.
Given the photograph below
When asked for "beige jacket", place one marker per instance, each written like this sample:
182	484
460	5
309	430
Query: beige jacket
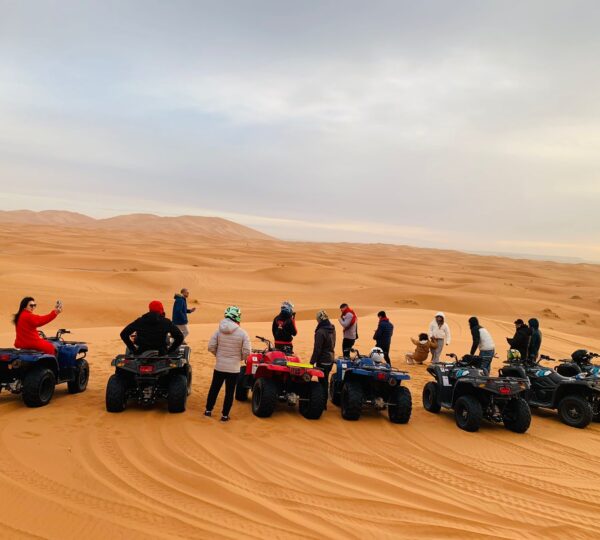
231	345
423	347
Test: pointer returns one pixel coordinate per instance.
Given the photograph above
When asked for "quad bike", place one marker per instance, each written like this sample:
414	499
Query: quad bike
361	382
279	376
148	377
34	374
580	365
462	385
577	399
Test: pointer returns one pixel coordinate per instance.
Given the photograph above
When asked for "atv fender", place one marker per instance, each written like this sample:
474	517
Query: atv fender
582	388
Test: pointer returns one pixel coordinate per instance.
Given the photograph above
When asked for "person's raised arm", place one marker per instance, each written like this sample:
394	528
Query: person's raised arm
41	320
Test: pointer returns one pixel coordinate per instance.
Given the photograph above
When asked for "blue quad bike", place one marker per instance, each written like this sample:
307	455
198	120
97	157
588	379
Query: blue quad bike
34	374
360	382
464	387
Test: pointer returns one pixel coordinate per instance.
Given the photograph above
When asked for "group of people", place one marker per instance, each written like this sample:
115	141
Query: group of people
231	344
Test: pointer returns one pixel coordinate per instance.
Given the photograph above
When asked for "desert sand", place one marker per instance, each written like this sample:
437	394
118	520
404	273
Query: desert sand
71	470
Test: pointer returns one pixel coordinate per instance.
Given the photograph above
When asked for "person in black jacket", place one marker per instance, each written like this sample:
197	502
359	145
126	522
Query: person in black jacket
520	341
536	340
383	335
324	347
152	330
284	327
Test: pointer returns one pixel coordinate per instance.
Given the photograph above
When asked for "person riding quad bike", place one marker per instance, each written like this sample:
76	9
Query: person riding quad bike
152	331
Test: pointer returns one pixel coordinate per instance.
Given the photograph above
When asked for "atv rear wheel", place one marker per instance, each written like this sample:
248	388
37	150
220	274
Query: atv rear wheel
517	415
400	405
468	413
575	411
334	393
38	387
82	375
264	397
313	404
241	389
177	396
116	393
352	400
431	400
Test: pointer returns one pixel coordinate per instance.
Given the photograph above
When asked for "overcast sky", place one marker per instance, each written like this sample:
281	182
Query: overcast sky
459	124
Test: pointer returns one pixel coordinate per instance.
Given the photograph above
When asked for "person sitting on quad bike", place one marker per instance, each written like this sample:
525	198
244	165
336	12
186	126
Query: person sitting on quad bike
26	325
284	327
152	331
231	345
324	348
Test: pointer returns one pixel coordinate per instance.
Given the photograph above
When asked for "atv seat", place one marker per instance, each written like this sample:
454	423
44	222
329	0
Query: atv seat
147	354
513	371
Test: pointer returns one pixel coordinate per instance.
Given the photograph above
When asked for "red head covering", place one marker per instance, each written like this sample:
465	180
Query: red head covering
156	307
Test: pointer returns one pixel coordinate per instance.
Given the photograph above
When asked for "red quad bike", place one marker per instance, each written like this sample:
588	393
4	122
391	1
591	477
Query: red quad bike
274	376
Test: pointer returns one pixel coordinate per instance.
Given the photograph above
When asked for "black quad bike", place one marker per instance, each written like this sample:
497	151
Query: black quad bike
577	400
580	365
149	377
462	385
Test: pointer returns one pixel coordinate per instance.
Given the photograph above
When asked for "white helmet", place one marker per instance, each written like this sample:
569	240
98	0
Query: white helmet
377	355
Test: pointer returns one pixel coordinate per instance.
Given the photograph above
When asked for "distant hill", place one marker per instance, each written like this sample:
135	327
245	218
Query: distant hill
210	227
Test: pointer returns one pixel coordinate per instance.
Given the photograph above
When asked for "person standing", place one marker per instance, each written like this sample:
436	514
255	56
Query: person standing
483	341
181	311
349	322
440	332
324	348
230	345
520	341
535	342
383	335
26	325
284	327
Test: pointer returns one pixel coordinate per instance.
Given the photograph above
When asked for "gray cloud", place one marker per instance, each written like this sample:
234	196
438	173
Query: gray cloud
471	124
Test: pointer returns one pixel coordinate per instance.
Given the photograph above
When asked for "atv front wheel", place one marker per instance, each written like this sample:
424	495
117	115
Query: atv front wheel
517	415
178	392
575	411
116	393
38	387
241	390
400	405
468	413
352	399
313	404
334	393
82	375
431	401
264	398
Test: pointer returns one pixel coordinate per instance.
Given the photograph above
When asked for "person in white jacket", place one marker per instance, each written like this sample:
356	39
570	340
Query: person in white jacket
440	332
231	345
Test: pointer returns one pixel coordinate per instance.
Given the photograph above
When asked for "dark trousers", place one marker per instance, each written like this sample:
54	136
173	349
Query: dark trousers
347	344
220	377
325	380
386	352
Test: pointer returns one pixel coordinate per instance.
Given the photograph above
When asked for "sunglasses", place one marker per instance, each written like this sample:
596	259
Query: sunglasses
32	305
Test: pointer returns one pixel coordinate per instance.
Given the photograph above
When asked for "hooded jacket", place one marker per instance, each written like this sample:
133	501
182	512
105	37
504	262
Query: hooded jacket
440	332
152	330
180	309
535	341
284	328
482	339
520	341
349	322
231	345
27	336
422	349
324	348
383	334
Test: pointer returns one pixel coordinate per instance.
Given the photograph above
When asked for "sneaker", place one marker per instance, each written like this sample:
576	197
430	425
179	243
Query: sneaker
207	413
224	418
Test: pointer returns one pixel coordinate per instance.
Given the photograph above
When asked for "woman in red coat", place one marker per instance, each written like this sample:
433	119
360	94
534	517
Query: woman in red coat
26	324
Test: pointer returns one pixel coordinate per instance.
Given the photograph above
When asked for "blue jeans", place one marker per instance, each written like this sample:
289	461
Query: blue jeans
486	357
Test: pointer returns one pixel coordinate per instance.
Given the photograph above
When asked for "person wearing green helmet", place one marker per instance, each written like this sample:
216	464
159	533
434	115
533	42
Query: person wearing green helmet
231	345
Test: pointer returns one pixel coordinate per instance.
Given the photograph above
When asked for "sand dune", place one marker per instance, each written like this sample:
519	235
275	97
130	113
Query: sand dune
71	470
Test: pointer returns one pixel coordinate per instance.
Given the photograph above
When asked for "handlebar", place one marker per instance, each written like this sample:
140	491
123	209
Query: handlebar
547	358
